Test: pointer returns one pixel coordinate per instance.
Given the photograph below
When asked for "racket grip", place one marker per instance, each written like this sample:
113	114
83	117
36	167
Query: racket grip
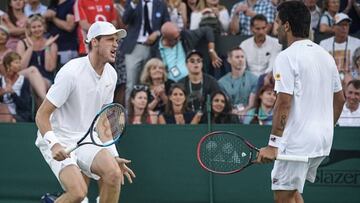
68	150
292	158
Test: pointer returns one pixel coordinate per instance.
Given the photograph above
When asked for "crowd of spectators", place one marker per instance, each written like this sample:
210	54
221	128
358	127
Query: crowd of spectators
169	66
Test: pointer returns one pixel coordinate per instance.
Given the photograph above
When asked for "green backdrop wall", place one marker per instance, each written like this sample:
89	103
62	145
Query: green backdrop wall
164	160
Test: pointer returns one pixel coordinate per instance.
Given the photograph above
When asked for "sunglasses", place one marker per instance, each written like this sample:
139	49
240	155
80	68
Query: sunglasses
141	87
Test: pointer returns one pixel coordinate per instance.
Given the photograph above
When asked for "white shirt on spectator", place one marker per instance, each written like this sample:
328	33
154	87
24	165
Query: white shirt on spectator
223	17
342	52
348	118
260	60
28	11
305	71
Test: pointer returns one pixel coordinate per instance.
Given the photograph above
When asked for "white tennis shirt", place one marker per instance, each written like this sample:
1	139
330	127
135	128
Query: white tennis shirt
308	73
79	93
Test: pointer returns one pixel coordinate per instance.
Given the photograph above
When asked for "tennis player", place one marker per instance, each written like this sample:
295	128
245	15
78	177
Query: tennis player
309	103
81	88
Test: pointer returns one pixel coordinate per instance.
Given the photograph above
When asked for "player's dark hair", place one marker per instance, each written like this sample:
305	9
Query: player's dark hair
259	17
298	16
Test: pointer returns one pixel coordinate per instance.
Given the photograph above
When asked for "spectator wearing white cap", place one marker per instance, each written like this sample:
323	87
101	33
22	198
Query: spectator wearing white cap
81	88
342	46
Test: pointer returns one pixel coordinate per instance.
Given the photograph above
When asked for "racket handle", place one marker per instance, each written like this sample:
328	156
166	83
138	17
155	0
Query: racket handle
68	150
292	158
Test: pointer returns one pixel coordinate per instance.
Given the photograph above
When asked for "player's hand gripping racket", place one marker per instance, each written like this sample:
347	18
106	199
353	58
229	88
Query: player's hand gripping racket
224	152
106	128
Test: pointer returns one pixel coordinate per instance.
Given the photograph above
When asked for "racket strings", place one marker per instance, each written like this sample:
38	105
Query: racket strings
224	153
110	125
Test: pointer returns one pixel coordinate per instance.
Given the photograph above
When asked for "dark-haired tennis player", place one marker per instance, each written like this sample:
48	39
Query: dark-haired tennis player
82	87
309	103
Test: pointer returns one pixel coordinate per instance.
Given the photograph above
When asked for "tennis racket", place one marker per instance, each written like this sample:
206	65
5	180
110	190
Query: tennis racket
224	152
106	128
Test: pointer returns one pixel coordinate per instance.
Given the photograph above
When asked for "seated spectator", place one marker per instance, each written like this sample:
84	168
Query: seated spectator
355	71
15	89
176	111
190	7
33	7
197	84
221	109
15	21
262	112
327	20
154	76
177	12
342	46
61	21
31	73
260	49
240	84
38	51
211	13
242	12
174	44
138	112
350	115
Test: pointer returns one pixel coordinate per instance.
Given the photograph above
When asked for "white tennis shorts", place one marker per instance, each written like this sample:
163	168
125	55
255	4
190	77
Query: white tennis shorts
81	157
291	175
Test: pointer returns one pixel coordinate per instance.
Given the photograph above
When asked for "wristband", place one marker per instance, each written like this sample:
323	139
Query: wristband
275	141
50	138
113	150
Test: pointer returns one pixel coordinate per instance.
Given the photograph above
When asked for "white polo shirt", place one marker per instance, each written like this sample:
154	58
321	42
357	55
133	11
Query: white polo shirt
348	118
260	60
308	73
79	93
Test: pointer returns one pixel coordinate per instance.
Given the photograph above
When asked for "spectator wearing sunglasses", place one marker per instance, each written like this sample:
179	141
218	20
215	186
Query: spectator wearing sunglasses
176	111
138	112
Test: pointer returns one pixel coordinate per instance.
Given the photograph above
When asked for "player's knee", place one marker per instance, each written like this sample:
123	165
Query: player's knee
113	177
78	195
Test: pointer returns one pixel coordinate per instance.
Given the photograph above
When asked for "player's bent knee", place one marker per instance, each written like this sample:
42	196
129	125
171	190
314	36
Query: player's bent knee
113	177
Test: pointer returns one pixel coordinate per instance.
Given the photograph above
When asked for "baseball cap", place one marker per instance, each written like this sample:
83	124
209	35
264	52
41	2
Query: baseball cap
103	28
192	52
3	28
341	17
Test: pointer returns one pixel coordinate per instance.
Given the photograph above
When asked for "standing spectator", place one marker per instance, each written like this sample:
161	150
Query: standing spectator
239	84
89	11
242	12
177	12
190	7
260	49
174	44
211	13
342	46
176	110
221	109
262	112
144	19
155	77
315	13
61	20
197	84
138	112
350	115
15	89
33	7
15	21
327	20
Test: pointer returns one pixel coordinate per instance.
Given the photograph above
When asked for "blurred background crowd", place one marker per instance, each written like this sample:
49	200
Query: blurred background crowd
182	62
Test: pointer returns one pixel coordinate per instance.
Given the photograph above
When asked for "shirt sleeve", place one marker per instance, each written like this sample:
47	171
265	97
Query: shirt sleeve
284	75
336	79
61	89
